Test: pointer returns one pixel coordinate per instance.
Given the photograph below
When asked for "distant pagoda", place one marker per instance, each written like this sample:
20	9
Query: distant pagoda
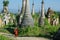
33	12
42	16
27	18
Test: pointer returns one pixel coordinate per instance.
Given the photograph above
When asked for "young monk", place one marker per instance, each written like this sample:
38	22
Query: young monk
16	32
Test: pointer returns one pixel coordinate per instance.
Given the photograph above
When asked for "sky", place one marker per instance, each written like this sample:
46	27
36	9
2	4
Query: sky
14	5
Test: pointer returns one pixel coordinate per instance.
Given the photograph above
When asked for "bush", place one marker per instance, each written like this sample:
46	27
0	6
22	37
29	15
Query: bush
29	31
48	30
45	31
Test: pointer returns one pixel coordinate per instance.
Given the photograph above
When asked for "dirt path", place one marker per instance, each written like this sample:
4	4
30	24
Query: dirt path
31	38
23	38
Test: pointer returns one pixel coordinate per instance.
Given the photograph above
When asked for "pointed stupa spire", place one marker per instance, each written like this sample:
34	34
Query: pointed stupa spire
22	11
42	9
33	8
27	18
33	2
5	3
5	6
18	9
23	6
42	1
42	16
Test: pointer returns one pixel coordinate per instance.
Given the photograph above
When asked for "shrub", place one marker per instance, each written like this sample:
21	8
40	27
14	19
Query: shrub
48	30
29	31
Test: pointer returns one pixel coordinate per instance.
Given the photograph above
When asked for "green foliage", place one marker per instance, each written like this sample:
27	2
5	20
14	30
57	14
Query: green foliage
46	31
3	30
36	15
1	16
29	31
4	38
46	21
36	18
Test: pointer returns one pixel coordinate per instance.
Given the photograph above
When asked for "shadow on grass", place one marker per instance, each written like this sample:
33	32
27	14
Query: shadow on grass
11	29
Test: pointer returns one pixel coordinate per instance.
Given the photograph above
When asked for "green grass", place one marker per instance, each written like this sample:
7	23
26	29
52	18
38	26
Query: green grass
46	31
4	38
3	30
